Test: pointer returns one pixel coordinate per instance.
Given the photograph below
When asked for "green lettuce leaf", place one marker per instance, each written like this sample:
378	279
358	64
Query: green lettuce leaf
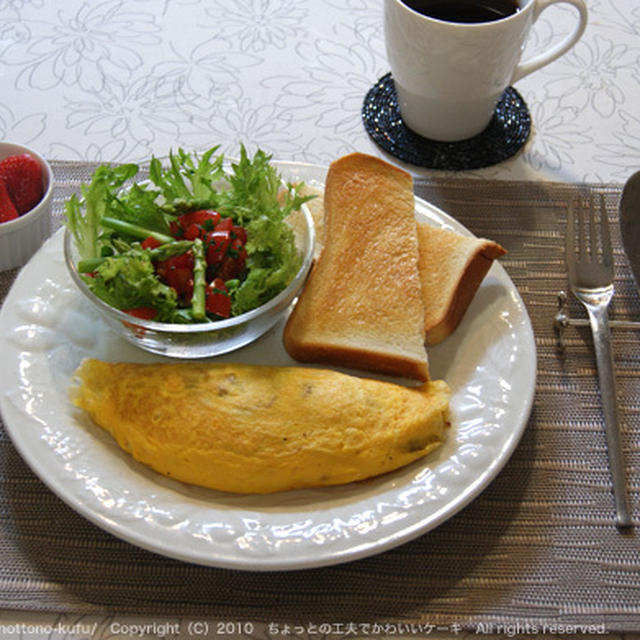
84	214
128	281
190	182
255	199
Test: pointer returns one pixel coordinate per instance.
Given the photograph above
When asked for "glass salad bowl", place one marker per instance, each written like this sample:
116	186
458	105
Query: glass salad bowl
204	339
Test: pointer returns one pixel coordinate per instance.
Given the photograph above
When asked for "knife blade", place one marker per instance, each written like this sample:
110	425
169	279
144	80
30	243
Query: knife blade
630	223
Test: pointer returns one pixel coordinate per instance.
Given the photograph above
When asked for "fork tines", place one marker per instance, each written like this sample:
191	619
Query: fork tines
587	217
588	239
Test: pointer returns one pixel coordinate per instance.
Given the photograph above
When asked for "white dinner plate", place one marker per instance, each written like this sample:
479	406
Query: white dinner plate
47	327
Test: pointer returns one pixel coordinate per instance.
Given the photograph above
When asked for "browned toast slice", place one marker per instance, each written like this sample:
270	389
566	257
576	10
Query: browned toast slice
362	306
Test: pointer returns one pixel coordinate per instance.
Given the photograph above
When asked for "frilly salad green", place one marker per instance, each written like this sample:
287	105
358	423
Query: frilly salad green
193	243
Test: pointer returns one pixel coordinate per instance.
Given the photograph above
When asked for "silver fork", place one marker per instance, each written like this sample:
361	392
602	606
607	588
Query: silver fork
590	266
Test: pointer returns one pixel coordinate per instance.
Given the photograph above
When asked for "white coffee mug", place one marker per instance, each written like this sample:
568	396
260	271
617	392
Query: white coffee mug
449	76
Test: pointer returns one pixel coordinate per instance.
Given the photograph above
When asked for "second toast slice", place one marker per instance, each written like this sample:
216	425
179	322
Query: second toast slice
452	267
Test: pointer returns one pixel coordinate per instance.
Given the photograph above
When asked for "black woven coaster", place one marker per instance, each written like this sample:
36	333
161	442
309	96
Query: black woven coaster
504	136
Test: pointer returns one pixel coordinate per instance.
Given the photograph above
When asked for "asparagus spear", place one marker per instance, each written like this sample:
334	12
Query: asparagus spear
134	230
198	309
164	251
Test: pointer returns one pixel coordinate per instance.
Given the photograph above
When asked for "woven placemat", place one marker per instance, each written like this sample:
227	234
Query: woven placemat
537	547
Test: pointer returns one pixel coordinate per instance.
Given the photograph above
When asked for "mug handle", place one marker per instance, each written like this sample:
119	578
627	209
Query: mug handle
525	68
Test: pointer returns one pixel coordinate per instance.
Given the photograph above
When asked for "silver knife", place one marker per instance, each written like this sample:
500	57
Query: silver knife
630	223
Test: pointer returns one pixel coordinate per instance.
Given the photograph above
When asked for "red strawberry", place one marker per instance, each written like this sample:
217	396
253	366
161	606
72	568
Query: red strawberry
8	210
22	176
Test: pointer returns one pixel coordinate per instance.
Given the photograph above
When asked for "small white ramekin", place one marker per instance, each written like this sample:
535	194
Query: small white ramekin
22	237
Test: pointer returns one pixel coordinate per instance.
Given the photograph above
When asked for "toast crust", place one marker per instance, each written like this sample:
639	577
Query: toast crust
452	267
362	305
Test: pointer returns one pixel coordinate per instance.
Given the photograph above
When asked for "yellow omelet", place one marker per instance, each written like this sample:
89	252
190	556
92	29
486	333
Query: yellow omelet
261	429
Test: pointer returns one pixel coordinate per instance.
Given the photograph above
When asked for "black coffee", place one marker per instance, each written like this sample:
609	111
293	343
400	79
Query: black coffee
465	10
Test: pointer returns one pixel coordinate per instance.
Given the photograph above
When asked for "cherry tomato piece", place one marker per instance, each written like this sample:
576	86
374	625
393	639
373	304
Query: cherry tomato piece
239	232
217	300
193	224
181	280
177	272
236	249
144	313
176	230
229	269
192	232
150	243
200	217
183	261
233	263
226	224
217	243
